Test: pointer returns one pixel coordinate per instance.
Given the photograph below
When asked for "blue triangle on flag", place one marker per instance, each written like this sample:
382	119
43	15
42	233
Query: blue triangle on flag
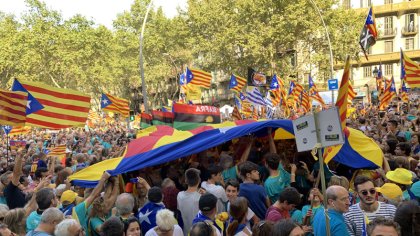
33	104
105	101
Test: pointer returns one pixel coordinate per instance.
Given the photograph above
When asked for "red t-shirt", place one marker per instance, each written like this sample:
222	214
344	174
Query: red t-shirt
274	214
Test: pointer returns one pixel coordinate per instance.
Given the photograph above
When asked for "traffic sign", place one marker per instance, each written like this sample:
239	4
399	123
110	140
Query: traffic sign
332	84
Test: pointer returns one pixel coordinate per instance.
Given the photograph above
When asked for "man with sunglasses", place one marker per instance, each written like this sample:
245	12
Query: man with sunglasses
368	209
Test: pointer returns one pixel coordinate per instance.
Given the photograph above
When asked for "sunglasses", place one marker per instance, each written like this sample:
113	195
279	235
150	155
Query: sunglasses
365	192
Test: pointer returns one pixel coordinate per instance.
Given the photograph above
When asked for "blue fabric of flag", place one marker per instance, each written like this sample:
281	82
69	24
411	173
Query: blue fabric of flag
33	104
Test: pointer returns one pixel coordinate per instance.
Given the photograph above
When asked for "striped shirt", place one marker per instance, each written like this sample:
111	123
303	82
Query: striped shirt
355	217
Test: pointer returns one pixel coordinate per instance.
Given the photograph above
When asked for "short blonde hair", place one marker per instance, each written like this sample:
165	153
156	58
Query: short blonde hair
340	181
165	219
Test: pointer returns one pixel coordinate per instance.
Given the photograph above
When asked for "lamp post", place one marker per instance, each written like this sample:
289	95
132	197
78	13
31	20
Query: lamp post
367	92
143	81
329	45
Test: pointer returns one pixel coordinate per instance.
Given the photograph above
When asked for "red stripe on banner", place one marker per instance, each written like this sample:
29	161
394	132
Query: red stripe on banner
68	96
196	109
13	111
11	119
13	103
61	116
16	95
63	106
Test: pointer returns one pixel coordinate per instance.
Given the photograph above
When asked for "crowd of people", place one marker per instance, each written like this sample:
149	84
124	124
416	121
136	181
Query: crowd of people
248	186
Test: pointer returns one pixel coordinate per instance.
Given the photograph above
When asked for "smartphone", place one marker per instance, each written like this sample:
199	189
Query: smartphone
134	180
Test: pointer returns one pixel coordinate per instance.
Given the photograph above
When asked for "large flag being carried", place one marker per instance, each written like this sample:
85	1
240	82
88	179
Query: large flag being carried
13	108
198	77
306	105
236	83
53	108
369	33
352	94
314	93
343	92
410	71
115	104
389	94
163	118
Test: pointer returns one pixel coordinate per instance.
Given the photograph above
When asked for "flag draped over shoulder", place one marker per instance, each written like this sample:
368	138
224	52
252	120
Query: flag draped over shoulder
188	117
115	104
236	83
314	93
389	94
163	118
198	77
369	33
53	108
343	92
410	71
13	108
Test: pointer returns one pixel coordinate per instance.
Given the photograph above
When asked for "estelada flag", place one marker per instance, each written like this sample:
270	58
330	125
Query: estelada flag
53	108
163	118
410	71
145	120
236	115
198	77
59	152
369	33
13	108
236	83
187	117
115	104
343	93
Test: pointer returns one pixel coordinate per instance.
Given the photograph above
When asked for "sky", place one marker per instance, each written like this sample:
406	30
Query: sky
100	11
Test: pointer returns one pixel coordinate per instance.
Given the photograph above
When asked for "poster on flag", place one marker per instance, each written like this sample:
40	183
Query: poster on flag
329	125
188	117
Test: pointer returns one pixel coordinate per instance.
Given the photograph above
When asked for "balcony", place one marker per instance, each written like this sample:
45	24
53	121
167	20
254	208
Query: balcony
387	33
392	9
410	30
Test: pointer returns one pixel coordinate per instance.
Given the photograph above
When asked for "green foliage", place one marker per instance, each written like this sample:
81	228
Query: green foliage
216	35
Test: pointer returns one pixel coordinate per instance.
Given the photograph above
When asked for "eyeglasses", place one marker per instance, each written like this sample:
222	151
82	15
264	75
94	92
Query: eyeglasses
261	224
365	192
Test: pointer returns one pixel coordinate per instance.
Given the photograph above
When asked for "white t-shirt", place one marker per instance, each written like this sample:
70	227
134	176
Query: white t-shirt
187	203
217	191
177	232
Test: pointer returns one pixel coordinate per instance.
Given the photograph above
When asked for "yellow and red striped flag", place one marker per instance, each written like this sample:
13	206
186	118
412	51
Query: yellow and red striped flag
404	92
236	83
389	94
236	115
20	130
343	93
295	90
314	93
115	104
13	108
352	94
59	152
306	105
410	71
198	77
53	108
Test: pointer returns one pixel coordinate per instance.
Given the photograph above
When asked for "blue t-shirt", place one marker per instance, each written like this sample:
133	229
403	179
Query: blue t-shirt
32	221
256	196
229	173
337	224
80	213
305	210
274	185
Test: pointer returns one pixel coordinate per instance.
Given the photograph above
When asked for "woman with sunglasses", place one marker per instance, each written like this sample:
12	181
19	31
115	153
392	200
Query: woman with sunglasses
360	214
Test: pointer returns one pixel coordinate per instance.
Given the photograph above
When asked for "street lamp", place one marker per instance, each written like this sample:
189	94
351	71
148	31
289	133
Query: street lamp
143	81
367	92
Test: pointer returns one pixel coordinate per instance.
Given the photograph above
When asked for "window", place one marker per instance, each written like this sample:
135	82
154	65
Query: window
365	3
367	71
387	1
389	25
409	44
389	46
409	22
388	69
346	4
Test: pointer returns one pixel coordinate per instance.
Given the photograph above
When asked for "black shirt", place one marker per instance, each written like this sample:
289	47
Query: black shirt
15	198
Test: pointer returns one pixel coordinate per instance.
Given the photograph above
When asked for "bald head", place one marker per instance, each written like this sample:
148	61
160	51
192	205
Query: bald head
338	198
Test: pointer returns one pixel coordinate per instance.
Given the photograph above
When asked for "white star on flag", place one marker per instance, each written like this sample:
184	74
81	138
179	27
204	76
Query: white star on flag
28	104
275	84
145	216
105	101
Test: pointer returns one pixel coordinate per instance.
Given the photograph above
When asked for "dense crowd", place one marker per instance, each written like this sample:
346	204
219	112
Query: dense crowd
248	186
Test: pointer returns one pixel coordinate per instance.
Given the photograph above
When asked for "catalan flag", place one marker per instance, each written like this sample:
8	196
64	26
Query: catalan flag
59	152
13	108
389	94
277	90
379	80
21	130
352	94
236	115
295	90
369	33
306	105
115	104
53	108
404	92
410	71
198	77
236	83
314	93
343	92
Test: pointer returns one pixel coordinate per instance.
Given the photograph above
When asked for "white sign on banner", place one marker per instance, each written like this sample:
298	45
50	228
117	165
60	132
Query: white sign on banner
329	127
305	133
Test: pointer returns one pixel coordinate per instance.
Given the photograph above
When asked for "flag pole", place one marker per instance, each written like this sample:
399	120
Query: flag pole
7	150
329	45
143	81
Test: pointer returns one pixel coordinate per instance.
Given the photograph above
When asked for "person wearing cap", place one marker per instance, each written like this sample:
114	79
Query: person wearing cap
360	214
403	178
390	193
210	186
208	210
68	201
